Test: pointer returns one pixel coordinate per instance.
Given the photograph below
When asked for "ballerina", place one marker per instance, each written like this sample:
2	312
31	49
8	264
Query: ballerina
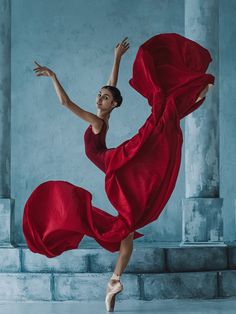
169	70
107	99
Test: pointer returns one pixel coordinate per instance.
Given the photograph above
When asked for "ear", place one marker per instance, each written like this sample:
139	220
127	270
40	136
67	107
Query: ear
114	104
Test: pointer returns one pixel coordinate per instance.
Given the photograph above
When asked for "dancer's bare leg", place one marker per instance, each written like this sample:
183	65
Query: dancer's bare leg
203	92
126	249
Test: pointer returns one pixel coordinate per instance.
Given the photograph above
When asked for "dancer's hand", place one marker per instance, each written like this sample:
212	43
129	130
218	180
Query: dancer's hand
121	48
43	71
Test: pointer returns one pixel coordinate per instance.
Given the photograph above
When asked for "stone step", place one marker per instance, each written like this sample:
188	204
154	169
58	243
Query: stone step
92	286
143	260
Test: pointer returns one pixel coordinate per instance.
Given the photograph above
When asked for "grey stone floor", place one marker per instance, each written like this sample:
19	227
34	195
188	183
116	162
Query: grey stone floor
187	306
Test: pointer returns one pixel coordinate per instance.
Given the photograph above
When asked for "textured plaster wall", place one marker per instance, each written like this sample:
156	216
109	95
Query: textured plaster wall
5	93
228	115
76	40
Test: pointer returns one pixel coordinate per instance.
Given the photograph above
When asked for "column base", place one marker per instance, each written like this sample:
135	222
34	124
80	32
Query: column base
202	222
202	244
7	222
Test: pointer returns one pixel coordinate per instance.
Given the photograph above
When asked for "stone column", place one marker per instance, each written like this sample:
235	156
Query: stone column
202	207
6	204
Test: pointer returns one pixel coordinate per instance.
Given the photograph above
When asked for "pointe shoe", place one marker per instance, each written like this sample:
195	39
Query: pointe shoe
113	288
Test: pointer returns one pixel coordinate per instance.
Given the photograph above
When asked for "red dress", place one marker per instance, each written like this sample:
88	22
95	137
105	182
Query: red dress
140	173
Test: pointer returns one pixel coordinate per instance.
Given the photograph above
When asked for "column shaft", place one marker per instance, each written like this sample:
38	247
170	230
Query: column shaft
5	97
6	203
201	127
202	208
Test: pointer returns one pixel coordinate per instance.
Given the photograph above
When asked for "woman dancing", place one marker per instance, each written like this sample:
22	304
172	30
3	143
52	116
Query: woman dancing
107	99
169	70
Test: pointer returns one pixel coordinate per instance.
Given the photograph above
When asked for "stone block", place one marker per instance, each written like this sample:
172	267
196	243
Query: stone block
143	260
131	287
147	260
179	285
10	260
79	286
232	257
227	283
91	286
69	261
102	260
22	287
196	259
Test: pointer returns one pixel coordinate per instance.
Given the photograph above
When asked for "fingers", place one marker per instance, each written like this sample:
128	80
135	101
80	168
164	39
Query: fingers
41	72
37	64
40	69
123	41
124	45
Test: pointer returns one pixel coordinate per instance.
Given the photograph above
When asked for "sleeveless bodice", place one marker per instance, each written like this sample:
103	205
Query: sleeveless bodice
95	146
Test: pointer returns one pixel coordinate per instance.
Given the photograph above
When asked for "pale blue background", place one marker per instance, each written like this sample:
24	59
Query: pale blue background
76	40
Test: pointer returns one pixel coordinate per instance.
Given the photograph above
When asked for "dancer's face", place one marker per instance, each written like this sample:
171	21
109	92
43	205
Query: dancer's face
104	100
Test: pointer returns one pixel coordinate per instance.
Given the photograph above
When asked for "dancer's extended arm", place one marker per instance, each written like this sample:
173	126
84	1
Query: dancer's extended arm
120	49
64	98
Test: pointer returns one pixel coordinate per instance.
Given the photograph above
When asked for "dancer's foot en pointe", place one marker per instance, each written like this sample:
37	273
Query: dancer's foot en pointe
115	286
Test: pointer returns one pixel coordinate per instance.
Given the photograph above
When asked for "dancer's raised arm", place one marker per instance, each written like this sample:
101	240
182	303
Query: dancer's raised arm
64	98
120	49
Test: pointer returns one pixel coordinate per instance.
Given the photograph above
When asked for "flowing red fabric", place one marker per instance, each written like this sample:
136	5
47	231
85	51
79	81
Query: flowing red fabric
141	173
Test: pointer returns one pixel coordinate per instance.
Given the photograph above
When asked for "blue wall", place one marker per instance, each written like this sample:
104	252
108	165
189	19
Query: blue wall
76	39
228	115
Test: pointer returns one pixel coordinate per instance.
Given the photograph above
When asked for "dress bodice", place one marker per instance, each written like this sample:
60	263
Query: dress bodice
95	145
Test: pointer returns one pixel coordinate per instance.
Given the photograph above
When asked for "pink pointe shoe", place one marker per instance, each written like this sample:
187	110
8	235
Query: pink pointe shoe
114	287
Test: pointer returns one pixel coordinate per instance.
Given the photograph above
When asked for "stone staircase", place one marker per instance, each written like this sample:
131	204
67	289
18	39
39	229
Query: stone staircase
155	271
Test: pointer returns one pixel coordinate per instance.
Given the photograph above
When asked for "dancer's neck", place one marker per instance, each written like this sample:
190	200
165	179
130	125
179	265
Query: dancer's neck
104	116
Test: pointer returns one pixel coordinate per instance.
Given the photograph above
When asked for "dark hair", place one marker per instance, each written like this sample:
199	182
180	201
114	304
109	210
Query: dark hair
115	93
